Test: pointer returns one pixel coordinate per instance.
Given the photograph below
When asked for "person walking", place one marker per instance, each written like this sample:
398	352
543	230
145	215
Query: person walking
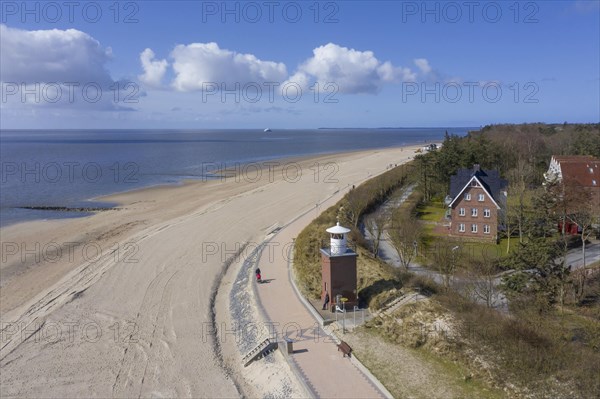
258	276
326	300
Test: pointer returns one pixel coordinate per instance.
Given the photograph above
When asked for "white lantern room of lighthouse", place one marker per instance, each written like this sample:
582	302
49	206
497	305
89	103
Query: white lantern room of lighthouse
338	243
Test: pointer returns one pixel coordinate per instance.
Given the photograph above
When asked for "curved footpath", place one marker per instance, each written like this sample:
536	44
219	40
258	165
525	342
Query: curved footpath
322	367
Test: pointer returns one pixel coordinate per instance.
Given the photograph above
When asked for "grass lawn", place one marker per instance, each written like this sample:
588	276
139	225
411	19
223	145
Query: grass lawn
472	250
431	212
484	250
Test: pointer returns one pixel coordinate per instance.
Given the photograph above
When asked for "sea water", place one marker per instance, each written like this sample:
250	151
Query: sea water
68	168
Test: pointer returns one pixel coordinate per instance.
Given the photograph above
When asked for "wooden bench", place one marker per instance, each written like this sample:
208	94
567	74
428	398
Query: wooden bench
345	348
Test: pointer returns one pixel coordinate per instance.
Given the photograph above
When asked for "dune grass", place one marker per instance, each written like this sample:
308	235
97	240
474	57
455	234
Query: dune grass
374	276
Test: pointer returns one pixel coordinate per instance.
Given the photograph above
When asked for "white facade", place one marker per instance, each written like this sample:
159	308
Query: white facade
554	173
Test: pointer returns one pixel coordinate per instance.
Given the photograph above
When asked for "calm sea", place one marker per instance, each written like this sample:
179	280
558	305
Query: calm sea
69	168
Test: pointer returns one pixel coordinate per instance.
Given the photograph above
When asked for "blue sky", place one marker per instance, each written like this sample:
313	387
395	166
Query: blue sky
336	64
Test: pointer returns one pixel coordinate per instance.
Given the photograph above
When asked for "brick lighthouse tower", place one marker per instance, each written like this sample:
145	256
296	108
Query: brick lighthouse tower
338	269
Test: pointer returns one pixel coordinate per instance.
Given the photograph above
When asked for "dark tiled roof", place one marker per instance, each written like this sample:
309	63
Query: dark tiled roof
489	178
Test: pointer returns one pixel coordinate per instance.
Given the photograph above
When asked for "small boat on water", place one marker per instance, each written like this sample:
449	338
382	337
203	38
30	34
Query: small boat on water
267	130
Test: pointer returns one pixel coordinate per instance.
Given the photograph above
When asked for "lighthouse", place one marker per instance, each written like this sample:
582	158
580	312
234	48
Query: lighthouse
338	269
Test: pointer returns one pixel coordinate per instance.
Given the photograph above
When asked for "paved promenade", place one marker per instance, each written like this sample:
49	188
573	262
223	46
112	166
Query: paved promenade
322	366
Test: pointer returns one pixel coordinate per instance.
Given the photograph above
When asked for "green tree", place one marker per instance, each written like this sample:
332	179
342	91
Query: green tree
537	269
542	219
449	158
586	142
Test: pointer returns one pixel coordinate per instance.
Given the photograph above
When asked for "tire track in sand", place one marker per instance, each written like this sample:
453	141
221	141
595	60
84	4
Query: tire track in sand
141	350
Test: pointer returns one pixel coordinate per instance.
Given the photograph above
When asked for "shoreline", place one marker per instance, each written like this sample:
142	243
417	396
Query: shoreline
171	229
213	175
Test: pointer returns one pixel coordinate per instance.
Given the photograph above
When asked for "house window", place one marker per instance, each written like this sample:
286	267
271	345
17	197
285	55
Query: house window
474	212
461	212
468	197
486	229
473	228
486	213
593	182
461	227
591	170
480	197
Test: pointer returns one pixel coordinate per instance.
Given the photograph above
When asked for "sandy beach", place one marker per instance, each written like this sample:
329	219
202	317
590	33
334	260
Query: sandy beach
123	303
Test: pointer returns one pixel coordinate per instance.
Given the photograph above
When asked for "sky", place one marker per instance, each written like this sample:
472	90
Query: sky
297	64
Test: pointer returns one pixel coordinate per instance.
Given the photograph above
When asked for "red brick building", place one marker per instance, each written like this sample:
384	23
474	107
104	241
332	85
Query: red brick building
338	270
477	198
576	171
579	176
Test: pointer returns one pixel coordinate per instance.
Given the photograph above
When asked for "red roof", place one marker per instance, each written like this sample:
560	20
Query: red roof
583	169
575	158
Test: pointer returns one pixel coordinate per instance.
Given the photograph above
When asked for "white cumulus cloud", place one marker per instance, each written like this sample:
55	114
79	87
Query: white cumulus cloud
154	70
352	71
206	66
423	65
197	64
52	56
60	69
